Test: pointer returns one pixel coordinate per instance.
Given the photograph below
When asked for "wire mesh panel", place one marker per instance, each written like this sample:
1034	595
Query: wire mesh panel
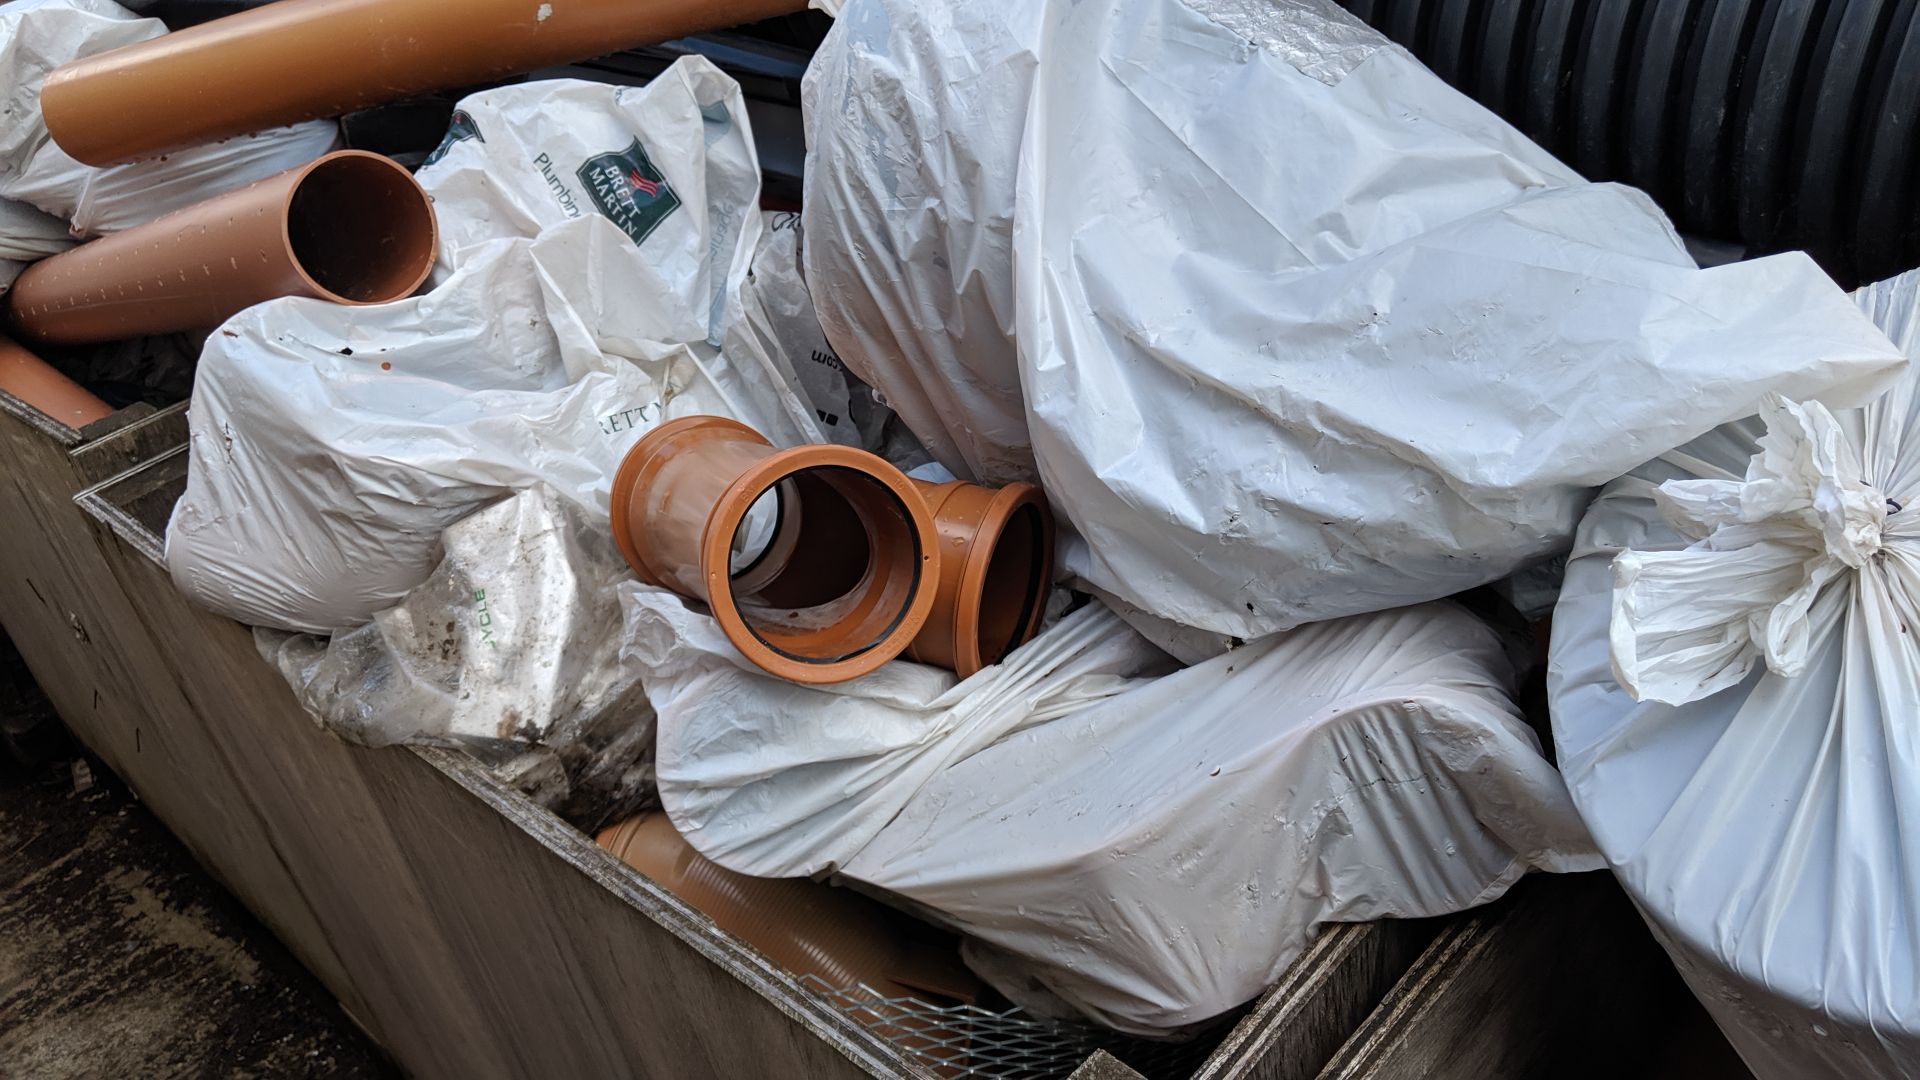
967	1041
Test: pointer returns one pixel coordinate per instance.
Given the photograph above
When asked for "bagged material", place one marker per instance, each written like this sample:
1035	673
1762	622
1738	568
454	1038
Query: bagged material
777	779
37	36
507	651
512	644
1150	850
1158	858
777	331
1301	332
26	236
913	115
1734	686
671	164
331	445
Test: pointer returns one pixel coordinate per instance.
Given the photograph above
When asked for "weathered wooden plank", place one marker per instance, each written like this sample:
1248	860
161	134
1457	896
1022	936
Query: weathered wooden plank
1296	1026
1557	979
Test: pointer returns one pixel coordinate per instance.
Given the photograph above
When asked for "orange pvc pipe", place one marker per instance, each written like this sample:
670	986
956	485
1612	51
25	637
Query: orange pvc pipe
306	59
42	386
996	565
835	935
350	227
819	563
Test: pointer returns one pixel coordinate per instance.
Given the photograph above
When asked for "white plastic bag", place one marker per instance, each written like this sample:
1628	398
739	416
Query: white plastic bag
1301	331
777	779
913	118
671	164
37	36
1152	851
27	235
1735	684
1160	857
777	331
331	445
514	639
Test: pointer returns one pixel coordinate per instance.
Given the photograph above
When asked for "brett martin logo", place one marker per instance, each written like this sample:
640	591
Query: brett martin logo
460	127
629	190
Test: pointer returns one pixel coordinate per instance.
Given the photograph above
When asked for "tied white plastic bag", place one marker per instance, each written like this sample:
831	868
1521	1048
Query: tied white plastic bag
513	640
1301	331
37	36
776	779
671	164
1151	848
1734	684
331	445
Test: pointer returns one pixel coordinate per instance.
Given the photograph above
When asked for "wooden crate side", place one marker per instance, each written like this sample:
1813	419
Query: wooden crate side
1296	1027
479	936
1558	979
85	646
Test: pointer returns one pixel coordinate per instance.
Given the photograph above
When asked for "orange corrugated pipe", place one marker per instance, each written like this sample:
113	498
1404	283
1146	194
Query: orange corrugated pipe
307	59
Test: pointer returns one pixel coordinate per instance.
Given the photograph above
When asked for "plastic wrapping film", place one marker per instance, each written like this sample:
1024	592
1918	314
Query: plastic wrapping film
1756	789
1147	849
1287	328
37	36
332	445
510	649
672	164
27	234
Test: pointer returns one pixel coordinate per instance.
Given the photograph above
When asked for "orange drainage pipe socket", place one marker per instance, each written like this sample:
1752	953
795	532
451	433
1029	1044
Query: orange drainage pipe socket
350	227
307	59
820	562
996	565
42	386
837	936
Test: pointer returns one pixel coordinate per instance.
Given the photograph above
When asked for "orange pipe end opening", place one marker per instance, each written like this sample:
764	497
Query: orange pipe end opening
996	568
360	229
820	563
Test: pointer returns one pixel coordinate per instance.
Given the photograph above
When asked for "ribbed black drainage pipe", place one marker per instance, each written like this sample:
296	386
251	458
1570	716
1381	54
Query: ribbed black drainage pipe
1774	124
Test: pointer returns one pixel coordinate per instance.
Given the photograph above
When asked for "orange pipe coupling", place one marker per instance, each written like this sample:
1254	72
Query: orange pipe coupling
350	227
307	59
837	936
820	563
42	386
996	565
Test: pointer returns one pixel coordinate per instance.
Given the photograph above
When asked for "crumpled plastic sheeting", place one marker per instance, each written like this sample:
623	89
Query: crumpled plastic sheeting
37	36
1318	37
1757	587
671	163
1151	849
331	445
777	779
510	649
1159	857
913	118
777	327
1278	350
26	235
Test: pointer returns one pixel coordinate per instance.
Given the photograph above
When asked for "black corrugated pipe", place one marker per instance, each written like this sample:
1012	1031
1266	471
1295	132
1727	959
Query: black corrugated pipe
1774	124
